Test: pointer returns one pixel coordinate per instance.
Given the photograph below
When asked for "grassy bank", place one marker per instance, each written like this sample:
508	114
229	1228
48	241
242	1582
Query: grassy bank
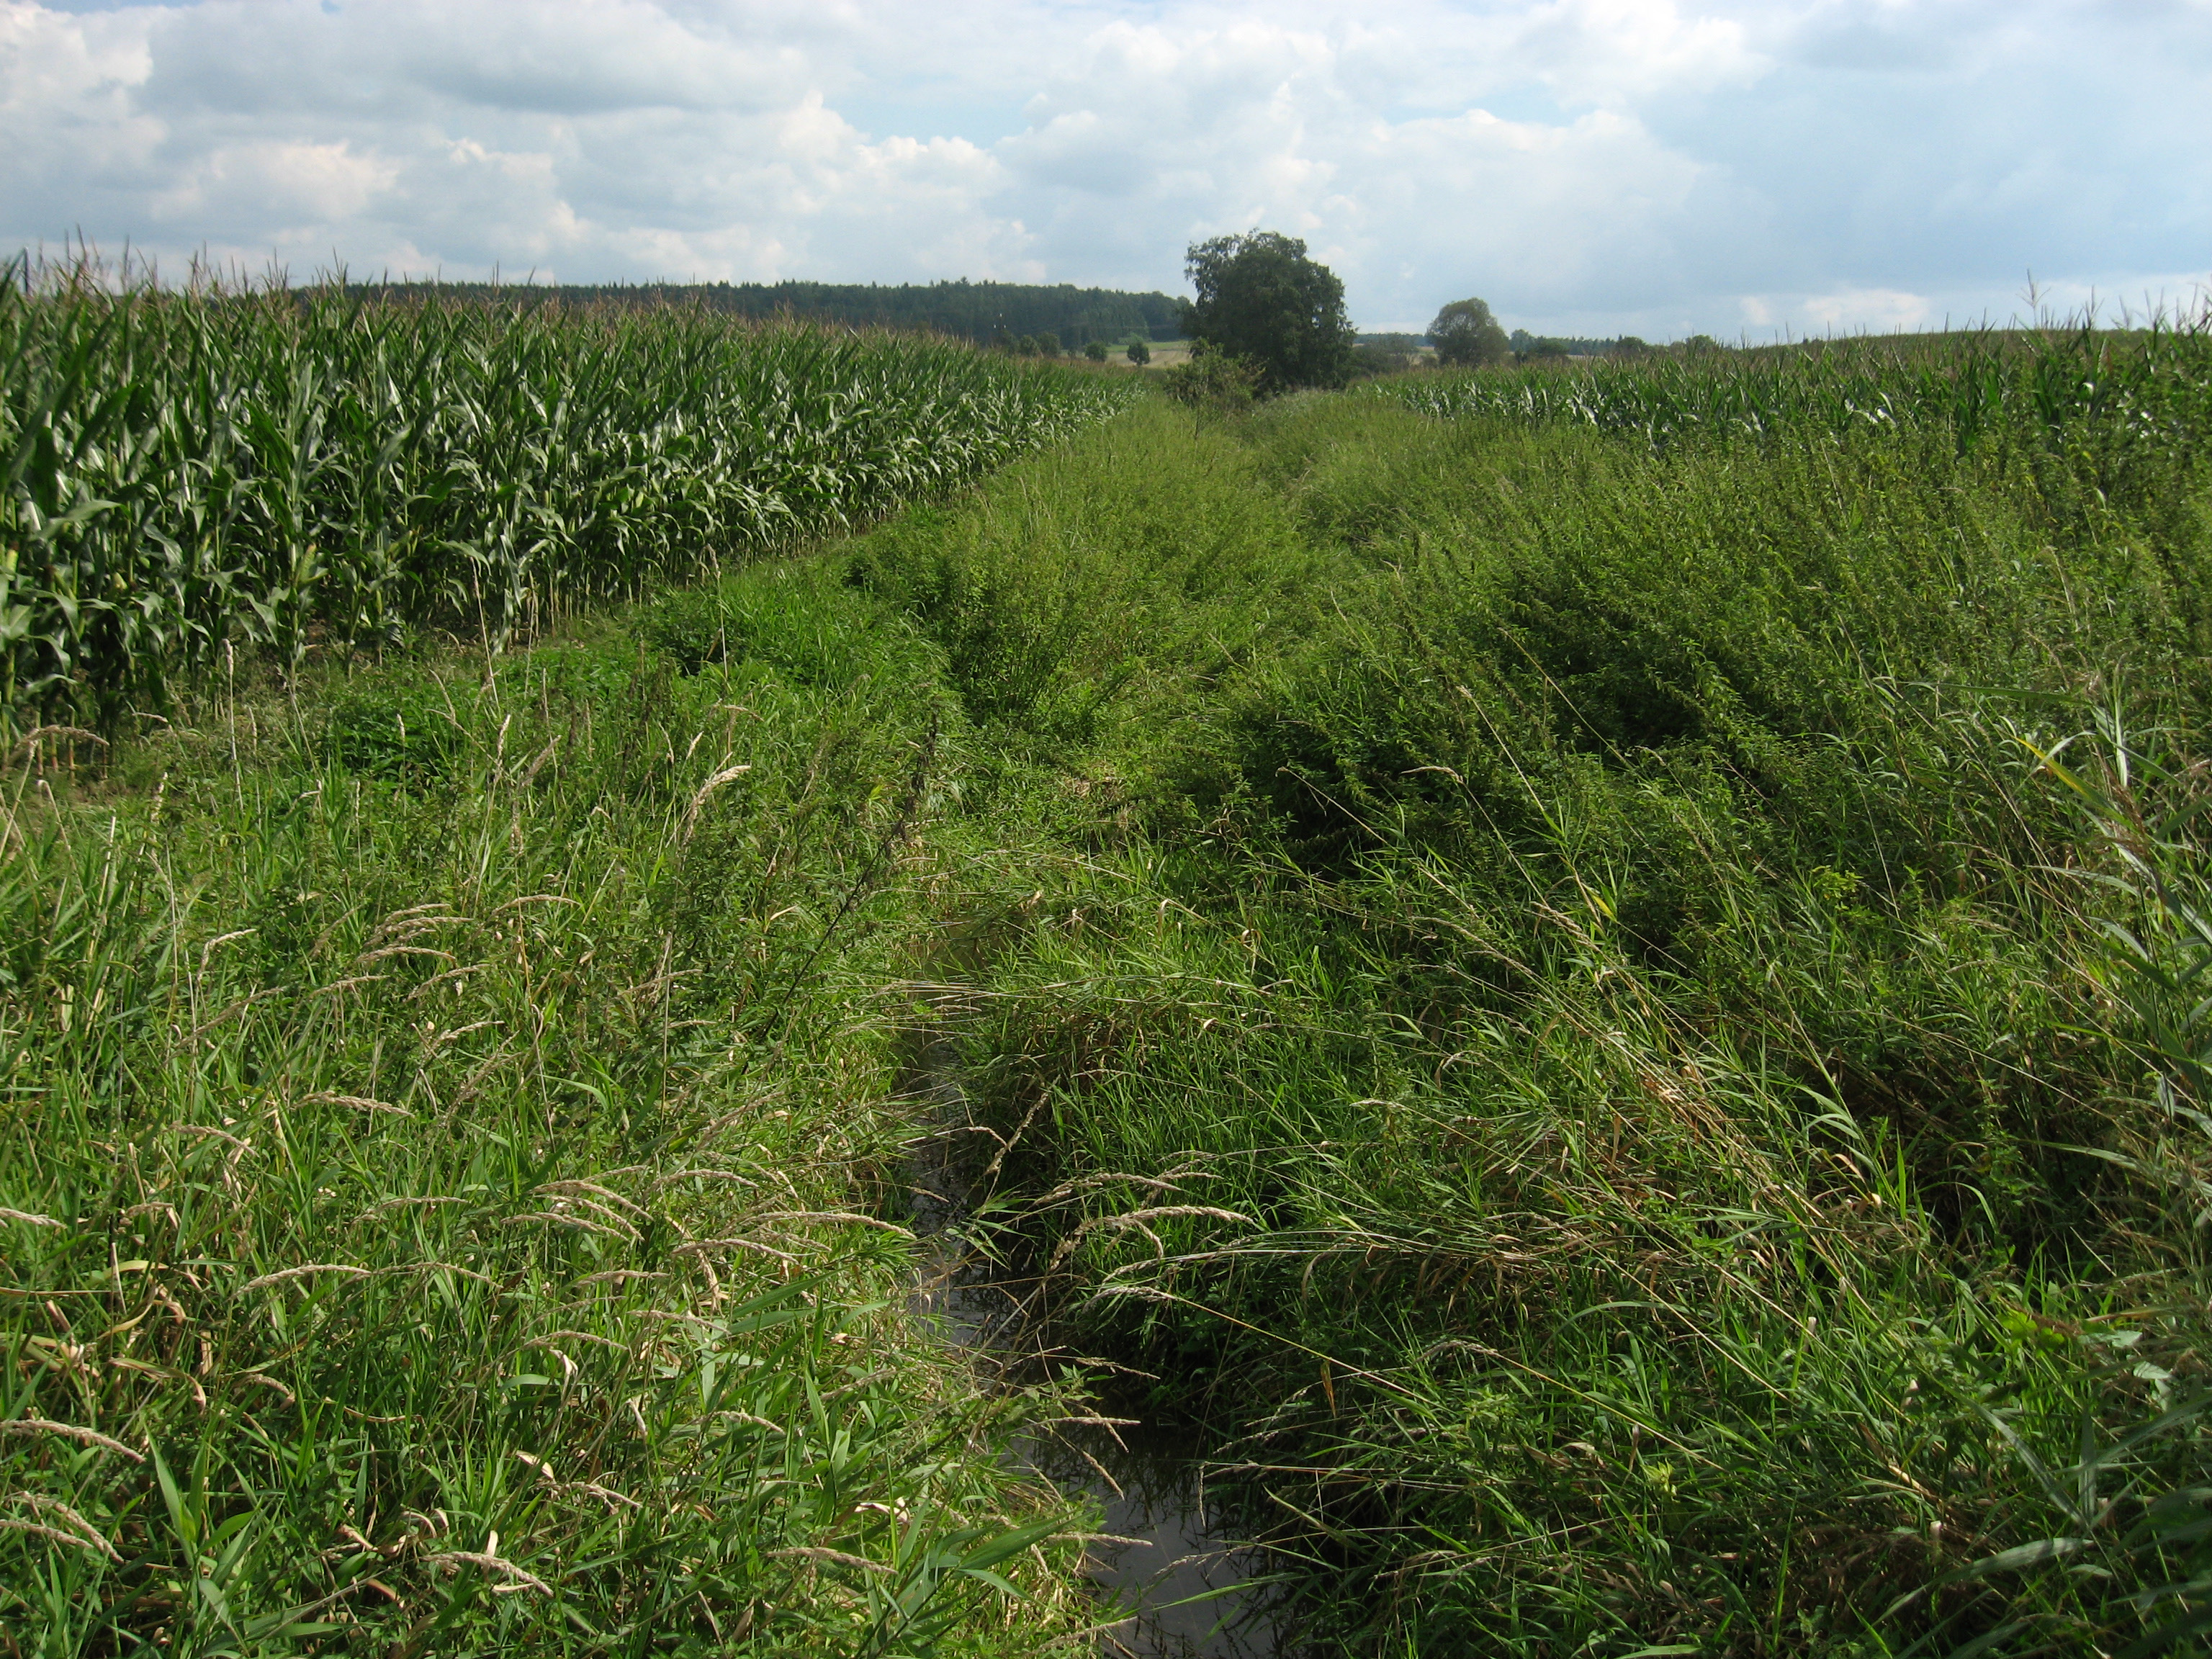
1574	1030
1611	1017
447	1113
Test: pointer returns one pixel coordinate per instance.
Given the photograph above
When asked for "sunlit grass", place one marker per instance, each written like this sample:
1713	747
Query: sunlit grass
1611	1009
433	1128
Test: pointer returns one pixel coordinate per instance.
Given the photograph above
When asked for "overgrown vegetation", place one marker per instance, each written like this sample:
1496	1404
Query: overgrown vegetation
435	1111
1579	1034
1596	976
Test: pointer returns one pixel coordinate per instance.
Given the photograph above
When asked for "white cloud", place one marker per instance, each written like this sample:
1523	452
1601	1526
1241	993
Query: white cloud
1875	310
288	184
1655	166
1614	51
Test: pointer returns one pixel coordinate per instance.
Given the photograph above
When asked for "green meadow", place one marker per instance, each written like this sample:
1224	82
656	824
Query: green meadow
1594	980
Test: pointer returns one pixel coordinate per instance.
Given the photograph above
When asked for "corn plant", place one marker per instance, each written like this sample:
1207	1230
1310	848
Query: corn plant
2124	395
278	472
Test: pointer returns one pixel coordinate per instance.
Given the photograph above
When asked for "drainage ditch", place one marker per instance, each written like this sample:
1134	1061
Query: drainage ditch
1168	1562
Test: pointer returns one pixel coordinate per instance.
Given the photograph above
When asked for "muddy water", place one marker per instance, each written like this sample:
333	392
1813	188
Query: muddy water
1187	1590
1184	1587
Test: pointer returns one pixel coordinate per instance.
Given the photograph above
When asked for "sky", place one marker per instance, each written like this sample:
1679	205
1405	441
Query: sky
1745	169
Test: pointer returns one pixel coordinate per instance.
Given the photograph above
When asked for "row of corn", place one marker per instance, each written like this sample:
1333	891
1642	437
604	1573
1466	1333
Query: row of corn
2128	393
193	476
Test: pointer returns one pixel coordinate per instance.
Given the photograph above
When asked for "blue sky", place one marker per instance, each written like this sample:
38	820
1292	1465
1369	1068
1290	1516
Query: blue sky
1655	166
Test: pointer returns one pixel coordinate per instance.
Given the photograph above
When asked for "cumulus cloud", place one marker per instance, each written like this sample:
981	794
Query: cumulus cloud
1655	166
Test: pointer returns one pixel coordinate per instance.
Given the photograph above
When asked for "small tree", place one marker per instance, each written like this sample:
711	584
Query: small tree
1467	336
1096	350
1212	382
1139	353
1262	300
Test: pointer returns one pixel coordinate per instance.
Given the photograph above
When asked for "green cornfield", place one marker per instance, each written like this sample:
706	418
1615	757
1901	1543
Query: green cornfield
2129	396
275	471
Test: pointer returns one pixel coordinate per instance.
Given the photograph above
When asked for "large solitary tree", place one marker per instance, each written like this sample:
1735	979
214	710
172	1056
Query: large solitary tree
1466	334
1261	299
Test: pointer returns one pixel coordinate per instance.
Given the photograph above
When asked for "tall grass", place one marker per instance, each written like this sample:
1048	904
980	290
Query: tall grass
1617	1025
433	1116
1571	1028
184	474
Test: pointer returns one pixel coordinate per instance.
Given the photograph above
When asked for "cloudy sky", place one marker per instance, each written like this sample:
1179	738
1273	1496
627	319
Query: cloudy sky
1657	167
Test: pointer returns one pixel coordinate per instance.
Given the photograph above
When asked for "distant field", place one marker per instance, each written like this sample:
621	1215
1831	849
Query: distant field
1164	352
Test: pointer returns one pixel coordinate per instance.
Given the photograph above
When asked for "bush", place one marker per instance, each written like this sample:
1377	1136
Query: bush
1139	353
1215	382
1096	351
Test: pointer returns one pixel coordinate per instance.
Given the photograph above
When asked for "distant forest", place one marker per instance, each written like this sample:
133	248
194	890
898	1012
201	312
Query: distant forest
1526	344
982	312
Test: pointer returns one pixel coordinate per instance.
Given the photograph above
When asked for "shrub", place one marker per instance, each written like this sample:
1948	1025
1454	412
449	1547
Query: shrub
1215	382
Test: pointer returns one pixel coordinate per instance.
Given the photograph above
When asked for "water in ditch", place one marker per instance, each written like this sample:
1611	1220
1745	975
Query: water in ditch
1167	1559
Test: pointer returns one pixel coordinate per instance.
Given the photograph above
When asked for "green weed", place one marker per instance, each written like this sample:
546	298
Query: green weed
431	1135
1578	1055
1597	978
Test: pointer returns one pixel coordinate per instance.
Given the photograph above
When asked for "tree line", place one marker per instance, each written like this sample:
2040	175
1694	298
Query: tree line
1267	317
